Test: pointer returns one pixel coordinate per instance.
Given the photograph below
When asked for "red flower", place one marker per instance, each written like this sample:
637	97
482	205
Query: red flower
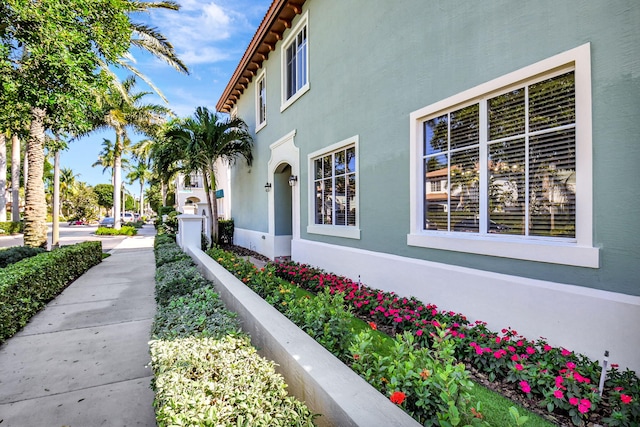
356	356
373	325
625	398
397	397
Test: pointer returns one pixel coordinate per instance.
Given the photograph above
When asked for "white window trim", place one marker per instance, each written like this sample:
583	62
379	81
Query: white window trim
579	252
349	232
293	33
262	75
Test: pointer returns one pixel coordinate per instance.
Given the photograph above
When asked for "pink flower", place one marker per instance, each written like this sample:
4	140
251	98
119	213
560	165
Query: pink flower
625	398
520	343
565	352
497	340
558	394
531	350
478	350
574	401
547	347
571	365
419	332
515	357
519	367
512	349
584	406
525	387
578	377
618	388
498	354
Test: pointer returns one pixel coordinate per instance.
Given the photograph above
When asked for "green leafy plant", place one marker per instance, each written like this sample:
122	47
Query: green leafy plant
17	253
178	278
27	285
125	230
11	227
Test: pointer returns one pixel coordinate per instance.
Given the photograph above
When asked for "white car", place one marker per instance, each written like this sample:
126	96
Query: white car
127	217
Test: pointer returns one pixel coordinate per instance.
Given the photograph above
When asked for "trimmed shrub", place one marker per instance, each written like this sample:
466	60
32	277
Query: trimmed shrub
198	314
17	253
211	382
178	278
26	286
11	227
169	253
125	230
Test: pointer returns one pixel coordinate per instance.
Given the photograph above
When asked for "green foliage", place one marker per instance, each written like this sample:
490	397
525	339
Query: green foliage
104	195
200	313
16	253
125	230
46	274
324	318
220	382
225	232
177	278
11	227
206	372
169	252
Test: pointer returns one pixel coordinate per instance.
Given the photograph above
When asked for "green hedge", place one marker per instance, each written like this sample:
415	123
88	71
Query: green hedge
206	373
11	227
26	286
17	253
125	230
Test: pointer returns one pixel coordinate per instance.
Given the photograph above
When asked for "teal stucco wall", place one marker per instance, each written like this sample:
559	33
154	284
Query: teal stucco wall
373	62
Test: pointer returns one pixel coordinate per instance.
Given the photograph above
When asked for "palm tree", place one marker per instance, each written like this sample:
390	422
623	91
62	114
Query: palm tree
141	173
67	185
207	138
122	112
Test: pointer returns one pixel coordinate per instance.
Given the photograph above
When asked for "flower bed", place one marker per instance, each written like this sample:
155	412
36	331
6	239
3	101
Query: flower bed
427	383
206	371
564	382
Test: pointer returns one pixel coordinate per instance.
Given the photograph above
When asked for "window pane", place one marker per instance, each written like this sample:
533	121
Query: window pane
507	190
341	201
327	166
465	195
319	202
436	202
552	184
327	207
351	200
552	103
351	159
318	169
339	162
465	125
436	135
506	115
291	71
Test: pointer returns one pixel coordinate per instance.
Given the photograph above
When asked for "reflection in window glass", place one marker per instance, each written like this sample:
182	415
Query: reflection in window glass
335	183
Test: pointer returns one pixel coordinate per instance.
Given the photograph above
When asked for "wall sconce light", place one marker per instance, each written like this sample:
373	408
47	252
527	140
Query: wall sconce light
292	180
267	187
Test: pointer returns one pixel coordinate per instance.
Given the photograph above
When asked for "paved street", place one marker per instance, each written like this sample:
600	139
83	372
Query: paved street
69	234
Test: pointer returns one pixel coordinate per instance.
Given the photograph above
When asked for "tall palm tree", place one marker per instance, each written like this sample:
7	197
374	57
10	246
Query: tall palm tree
141	172
123	112
207	138
67	185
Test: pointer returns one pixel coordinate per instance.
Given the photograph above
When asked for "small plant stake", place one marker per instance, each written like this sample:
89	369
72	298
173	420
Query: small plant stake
603	375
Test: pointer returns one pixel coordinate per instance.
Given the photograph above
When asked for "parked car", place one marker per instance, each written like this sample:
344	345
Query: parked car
127	217
107	221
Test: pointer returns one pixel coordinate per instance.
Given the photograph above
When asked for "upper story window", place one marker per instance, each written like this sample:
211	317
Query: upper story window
512	162
334	199
295	63
261	101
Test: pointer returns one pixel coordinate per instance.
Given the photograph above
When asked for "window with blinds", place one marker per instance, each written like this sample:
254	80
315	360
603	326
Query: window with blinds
505	163
335	188
261	101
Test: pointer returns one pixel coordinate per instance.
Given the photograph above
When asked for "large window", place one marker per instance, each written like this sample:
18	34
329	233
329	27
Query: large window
499	164
261	101
295	66
335	190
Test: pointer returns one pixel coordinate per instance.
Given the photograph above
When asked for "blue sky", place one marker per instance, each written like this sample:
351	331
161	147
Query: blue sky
210	38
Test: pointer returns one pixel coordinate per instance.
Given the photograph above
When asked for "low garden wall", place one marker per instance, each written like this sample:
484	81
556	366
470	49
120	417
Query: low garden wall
313	374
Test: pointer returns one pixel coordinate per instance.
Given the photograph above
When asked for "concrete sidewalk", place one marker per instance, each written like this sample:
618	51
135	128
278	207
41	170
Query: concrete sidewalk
82	361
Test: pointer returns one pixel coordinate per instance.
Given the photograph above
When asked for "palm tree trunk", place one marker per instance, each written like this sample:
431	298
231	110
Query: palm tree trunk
35	212
117	179
207	192
141	198
15	178
3	177
214	205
